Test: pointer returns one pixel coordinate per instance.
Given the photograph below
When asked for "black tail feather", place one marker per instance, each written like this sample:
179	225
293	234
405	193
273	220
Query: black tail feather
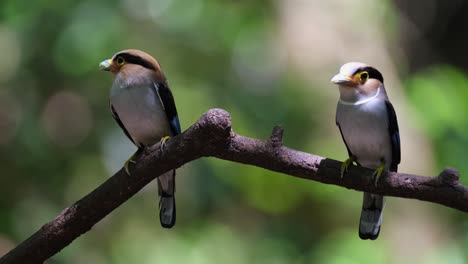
167	204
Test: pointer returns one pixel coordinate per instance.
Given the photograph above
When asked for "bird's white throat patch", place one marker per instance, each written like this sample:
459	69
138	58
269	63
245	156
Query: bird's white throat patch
363	101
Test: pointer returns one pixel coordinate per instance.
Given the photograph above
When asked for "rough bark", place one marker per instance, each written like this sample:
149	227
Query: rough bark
212	136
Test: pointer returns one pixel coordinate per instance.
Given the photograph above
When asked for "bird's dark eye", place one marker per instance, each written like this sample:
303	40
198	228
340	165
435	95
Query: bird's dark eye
363	76
120	60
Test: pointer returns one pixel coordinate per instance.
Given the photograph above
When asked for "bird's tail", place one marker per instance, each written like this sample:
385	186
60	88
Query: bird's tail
167	206
371	216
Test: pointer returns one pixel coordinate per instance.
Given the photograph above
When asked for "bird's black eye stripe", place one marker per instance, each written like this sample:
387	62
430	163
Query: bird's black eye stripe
136	60
373	73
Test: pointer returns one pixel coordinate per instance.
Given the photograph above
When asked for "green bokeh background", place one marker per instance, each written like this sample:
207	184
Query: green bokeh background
266	63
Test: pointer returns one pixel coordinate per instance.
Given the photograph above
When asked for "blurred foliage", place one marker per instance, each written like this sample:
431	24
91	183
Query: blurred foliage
58	140
440	94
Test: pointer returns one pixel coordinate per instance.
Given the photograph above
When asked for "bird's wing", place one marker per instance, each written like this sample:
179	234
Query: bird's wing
167	100
394	136
121	125
341	132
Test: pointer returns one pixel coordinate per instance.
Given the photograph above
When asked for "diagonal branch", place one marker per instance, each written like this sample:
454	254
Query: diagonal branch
212	136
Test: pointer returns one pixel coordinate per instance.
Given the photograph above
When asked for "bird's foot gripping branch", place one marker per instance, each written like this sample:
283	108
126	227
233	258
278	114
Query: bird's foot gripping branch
212	136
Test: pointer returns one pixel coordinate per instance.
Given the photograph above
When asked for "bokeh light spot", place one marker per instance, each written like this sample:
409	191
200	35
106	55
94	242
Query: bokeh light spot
146	8
257	60
10	116
83	42
11	54
67	119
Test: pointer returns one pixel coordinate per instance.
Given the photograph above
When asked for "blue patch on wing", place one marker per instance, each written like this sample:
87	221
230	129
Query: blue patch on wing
167	100
394	133
175	125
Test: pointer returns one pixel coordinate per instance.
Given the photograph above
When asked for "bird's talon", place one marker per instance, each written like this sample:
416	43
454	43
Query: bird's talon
377	173
127	166
163	142
130	160
127	170
343	169
345	165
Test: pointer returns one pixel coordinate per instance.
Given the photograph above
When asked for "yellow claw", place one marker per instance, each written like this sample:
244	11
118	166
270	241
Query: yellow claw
130	160
163	142
378	172
345	165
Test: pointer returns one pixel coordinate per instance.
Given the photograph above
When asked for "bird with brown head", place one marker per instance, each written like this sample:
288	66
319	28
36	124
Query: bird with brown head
143	106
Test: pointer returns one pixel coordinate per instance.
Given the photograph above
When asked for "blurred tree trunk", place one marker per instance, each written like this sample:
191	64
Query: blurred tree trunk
434	32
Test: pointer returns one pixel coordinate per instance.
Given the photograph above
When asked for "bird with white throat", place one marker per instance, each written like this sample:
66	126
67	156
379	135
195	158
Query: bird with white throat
369	128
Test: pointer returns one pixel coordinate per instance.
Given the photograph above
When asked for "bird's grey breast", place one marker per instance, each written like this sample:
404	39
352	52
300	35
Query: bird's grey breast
365	131
140	109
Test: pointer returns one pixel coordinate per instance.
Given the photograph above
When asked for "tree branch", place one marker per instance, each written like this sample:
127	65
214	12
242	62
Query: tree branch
212	136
